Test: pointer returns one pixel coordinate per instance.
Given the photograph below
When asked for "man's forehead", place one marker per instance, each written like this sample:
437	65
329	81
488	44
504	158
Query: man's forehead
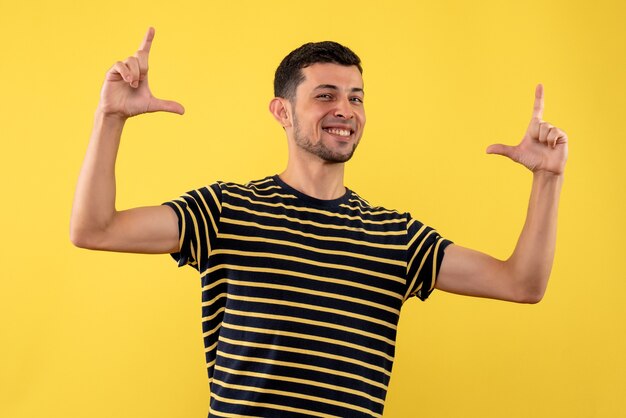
346	77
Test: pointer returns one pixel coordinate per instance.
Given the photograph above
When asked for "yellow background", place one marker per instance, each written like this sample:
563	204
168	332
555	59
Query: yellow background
90	334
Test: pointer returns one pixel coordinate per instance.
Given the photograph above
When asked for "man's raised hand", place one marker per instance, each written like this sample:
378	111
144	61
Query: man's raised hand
126	93
543	147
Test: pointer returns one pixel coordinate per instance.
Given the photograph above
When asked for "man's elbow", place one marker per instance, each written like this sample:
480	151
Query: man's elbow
79	239
84	238
532	298
532	294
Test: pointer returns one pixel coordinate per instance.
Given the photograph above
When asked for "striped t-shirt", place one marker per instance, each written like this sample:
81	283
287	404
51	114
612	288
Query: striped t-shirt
301	297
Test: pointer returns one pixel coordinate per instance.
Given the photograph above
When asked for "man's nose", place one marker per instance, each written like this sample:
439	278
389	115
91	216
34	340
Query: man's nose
344	109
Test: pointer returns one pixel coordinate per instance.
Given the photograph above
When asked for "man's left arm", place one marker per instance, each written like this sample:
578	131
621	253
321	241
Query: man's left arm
523	277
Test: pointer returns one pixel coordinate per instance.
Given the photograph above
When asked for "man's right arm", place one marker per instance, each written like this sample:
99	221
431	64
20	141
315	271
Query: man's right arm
95	222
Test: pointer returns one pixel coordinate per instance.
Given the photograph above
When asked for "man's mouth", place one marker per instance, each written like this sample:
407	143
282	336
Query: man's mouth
338	132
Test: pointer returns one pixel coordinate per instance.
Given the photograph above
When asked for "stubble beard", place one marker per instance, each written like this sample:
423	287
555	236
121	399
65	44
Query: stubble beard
320	149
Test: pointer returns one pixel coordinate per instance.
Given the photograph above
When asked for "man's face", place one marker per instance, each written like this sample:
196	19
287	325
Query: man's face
329	115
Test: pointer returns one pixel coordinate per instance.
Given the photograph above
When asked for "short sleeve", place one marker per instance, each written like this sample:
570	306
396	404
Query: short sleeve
425	251
198	213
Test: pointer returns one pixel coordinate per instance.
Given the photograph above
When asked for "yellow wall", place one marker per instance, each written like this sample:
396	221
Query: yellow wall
87	334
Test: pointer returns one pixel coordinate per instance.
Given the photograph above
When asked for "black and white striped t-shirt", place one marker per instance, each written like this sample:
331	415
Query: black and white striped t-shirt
300	296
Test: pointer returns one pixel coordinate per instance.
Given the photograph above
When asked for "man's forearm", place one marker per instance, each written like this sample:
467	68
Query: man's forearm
94	199
531	261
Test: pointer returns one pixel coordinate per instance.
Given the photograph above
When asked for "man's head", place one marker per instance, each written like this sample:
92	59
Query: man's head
319	101
289	73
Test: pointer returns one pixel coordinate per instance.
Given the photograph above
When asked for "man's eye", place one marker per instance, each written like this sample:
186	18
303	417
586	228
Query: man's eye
324	96
357	100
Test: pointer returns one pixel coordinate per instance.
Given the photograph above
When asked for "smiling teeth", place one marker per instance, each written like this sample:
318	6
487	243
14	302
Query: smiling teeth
340	132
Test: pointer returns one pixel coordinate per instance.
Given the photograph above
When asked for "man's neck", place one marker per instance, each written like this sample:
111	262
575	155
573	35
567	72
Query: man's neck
320	180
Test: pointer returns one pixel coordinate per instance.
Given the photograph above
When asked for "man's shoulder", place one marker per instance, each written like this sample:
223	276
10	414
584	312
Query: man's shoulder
364	207
261	187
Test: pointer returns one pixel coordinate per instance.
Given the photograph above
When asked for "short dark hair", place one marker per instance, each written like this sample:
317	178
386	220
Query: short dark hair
289	73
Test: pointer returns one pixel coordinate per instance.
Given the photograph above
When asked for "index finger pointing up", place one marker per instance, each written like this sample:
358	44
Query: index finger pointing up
147	40
538	107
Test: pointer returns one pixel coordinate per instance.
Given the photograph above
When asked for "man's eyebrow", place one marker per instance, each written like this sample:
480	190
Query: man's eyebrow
333	87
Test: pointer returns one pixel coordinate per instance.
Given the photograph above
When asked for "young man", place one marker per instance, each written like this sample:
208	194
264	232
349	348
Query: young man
302	279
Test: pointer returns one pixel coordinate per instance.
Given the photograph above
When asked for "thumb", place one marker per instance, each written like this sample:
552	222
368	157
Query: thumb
158	105
501	149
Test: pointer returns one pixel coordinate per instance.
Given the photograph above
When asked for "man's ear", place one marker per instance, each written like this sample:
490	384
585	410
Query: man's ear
280	108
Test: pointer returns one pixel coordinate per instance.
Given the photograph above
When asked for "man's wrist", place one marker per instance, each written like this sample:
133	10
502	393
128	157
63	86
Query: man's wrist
109	118
544	175
547	181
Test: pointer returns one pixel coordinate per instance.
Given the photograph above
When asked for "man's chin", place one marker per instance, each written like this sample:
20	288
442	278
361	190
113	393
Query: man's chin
337	158
331	154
